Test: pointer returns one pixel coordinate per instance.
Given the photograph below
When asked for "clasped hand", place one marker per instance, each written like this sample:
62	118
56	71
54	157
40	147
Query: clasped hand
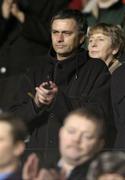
45	96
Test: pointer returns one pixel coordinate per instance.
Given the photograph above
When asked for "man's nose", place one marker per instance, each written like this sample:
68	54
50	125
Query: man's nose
77	137
60	37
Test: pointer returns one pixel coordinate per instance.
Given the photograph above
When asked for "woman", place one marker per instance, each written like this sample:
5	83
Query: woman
106	42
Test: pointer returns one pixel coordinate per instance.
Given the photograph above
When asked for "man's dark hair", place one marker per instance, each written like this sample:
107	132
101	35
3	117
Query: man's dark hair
93	113
18	127
73	14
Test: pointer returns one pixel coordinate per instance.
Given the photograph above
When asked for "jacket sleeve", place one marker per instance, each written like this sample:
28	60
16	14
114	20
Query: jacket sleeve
22	104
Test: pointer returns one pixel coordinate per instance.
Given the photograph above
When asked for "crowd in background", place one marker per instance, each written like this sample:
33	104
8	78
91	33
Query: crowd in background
62	73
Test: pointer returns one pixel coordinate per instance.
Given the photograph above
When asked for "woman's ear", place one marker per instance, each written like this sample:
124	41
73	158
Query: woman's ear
115	51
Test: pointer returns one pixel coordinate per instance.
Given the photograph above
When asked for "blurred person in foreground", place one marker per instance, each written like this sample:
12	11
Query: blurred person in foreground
81	138
12	135
108	166
106	42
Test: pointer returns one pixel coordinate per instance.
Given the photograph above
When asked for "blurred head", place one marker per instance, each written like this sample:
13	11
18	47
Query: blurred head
12	135
68	30
81	136
105	41
108	166
106	3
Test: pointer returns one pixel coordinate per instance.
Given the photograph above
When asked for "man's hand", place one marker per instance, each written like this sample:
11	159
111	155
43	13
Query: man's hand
6	8
45	95
9	7
32	172
30	169
17	13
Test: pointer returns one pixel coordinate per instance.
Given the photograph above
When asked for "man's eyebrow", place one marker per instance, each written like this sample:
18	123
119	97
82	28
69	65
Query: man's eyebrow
63	31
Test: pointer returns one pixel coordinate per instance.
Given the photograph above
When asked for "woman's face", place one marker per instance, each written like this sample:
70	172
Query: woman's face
100	46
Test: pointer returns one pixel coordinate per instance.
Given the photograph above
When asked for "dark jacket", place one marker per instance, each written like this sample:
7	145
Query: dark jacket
80	81
17	175
77	173
118	102
80	172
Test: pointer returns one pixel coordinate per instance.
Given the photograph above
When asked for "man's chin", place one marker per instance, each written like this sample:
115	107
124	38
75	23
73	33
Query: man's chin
74	156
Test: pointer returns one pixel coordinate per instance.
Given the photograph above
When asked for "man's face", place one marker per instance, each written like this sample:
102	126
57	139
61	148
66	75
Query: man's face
65	37
7	147
79	140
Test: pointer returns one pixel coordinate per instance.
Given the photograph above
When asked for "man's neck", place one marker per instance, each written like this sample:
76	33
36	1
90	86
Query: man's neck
106	4
9	168
64	57
66	167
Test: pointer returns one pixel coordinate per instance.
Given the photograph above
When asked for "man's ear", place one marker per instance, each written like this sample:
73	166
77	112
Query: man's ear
19	148
81	38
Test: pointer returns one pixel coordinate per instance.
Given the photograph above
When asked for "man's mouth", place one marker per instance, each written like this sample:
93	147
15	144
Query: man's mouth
60	46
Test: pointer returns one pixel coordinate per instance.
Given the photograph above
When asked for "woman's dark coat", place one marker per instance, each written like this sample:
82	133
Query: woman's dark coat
118	102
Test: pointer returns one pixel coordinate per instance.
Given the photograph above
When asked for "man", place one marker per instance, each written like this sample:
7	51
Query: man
12	135
81	137
64	80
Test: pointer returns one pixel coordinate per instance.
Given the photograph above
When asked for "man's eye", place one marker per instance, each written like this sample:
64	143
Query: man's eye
71	131
101	39
67	33
88	137
54	32
90	40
